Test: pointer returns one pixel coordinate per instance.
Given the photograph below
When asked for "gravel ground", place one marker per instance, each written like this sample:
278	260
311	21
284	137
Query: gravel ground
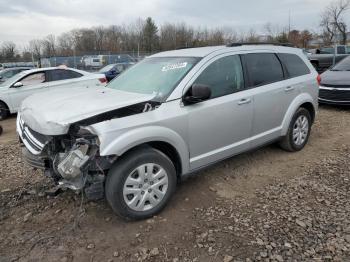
266	205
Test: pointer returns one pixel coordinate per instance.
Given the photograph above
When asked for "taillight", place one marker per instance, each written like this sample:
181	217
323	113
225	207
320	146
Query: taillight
318	79
103	80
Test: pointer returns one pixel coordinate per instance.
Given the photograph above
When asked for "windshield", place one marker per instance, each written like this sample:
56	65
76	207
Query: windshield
343	65
106	68
158	75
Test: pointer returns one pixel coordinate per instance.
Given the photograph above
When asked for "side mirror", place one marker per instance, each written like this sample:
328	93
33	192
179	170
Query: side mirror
197	93
18	84
0	77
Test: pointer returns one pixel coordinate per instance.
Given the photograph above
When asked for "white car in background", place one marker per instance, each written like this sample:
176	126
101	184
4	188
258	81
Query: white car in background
15	89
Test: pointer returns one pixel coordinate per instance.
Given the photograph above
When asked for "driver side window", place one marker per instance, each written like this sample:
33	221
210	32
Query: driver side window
33	79
224	76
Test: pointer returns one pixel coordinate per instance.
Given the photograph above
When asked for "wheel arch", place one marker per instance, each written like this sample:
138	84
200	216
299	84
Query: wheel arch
163	139
6	105
164	147
303	100
309	107
3	101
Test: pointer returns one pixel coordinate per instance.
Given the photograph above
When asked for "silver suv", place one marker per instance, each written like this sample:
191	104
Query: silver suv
166	117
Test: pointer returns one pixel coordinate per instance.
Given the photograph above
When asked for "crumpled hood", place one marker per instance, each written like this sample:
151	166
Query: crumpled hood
52	112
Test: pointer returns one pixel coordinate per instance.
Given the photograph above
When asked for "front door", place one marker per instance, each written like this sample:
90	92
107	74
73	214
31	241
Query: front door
31	84
220	126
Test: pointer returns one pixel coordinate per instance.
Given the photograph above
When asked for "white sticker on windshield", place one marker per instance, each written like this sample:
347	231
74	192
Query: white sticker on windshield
174	66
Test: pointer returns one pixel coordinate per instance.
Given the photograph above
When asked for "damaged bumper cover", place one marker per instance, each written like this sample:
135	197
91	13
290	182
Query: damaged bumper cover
73	162
32	140
58	138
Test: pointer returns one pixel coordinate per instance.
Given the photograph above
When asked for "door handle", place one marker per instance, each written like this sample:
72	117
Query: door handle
244	101
289	88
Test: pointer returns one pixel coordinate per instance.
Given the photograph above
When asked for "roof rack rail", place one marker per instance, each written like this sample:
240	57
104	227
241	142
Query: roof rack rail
260	43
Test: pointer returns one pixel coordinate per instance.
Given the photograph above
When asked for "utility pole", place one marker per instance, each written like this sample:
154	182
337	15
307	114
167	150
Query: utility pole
289	24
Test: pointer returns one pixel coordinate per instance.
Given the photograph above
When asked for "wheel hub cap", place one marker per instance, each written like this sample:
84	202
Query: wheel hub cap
300	130
145	187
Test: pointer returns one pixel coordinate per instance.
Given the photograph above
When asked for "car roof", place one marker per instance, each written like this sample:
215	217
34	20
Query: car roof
53	68
205	51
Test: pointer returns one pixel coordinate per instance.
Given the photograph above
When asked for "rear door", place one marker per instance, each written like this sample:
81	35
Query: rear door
272	95
220	126
65	78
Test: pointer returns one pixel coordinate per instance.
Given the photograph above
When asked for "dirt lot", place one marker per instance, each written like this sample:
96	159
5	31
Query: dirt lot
263	205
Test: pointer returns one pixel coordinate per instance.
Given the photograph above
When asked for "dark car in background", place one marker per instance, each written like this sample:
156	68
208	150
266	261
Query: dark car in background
112	70
10	72
325	57
335	84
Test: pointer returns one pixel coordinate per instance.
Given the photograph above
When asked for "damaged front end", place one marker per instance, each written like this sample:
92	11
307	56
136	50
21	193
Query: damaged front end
72	160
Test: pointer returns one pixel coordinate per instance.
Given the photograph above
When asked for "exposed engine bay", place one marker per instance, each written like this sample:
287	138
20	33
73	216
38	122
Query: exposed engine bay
73	160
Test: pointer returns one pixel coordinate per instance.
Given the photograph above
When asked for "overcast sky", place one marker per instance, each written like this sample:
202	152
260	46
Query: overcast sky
22	20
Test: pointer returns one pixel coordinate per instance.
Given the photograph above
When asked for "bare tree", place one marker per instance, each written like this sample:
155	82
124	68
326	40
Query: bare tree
49	46
328	28
35	47
167	36
272	30
251	36
100	37
8	51
305	38
65	44
332	21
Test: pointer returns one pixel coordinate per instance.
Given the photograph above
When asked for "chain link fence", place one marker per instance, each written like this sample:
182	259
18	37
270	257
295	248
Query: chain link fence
92	61
89	61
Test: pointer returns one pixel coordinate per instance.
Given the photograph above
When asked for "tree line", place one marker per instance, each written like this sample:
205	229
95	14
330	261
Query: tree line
144	36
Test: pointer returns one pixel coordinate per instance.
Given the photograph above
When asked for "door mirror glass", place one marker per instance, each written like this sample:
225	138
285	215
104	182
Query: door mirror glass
18	84
197	93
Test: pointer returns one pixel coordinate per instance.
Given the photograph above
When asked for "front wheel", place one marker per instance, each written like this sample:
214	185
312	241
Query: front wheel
140	184
298	132
4	112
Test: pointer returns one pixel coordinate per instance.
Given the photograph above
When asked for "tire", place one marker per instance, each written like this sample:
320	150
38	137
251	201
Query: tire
0	130
4	112
124	176
294	143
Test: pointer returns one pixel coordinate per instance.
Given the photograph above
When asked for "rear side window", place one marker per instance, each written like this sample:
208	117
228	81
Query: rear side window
263	69
224	76
62	74
294	65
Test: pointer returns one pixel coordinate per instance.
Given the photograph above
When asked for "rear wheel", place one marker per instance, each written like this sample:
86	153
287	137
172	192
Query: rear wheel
298	132
4	112
140	184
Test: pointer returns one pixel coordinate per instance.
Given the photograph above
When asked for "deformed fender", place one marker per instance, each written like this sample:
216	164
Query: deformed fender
135	137
297	102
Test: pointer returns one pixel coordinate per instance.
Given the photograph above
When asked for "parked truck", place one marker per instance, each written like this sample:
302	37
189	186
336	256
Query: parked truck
326	57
